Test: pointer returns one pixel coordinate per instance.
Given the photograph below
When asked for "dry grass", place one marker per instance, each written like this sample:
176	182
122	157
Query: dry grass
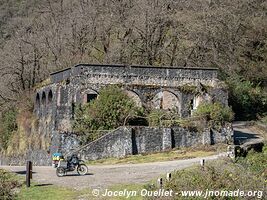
246	174
178	154
262	131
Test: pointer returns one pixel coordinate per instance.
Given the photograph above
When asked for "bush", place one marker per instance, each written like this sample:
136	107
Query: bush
7	184
163	118
8	126
157	117
255	162
215	114
264	120
222	175
110	110
247	99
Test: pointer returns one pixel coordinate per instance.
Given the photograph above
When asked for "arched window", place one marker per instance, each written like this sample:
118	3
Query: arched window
50	97
43	99
89	95
37	101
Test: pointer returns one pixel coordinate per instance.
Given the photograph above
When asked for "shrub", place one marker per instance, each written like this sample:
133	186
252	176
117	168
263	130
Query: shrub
255	162
222	175
107	112
159	117
264	120
7	127
163	118
247	99
215	114
155	117
7	184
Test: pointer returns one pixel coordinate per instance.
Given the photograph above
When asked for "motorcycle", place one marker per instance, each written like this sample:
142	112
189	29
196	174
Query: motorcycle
70	164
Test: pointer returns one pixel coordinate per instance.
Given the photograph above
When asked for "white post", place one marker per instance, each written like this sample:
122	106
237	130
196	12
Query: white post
169	176
160	183
202	163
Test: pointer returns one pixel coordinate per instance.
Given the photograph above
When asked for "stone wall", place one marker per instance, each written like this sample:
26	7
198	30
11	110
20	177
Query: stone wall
126	141
142	75
117	143
136	140
146	139
38	157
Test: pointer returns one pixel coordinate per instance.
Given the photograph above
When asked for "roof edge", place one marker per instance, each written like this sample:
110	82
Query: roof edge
135	66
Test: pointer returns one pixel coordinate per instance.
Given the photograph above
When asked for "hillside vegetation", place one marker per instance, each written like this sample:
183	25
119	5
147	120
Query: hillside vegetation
243	174
39	37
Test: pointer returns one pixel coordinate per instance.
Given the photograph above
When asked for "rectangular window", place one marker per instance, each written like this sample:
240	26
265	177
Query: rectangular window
91	97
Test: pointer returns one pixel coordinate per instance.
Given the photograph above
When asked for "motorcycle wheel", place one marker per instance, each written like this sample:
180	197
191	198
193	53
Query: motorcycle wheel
82	169
60	171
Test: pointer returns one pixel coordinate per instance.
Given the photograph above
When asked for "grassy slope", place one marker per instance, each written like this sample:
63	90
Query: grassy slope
47	192
247	174
183	153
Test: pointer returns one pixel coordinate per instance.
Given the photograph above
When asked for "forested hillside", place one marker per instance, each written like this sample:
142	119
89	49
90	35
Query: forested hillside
38	37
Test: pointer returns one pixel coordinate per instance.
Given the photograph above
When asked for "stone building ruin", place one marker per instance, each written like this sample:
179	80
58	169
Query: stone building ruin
170	88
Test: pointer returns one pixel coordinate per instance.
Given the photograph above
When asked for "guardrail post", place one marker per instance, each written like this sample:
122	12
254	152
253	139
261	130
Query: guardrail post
28	173
160	183
202	164
169	176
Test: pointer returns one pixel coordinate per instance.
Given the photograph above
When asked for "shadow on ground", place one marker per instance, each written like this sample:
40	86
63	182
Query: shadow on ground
241	137
88	174
42	185
22	172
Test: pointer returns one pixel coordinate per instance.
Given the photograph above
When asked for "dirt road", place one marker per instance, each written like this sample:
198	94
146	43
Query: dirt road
245	133
105	176
108	175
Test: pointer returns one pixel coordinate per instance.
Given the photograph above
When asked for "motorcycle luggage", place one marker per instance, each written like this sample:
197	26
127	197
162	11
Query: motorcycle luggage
56	157
62	163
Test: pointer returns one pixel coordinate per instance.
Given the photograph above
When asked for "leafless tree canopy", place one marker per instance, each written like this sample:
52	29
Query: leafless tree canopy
38	37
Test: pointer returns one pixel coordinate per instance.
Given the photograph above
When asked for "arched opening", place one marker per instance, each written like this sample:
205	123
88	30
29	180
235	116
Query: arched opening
50	97
89	95
197	101
135	97
136	120
43	98
205	98
37	101
167	101
157	100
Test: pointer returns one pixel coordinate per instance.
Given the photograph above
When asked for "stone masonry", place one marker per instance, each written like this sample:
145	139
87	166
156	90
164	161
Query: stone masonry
169	88
141	140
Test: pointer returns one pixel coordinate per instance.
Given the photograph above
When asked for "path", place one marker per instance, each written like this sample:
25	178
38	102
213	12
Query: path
245	133
108	175
103	176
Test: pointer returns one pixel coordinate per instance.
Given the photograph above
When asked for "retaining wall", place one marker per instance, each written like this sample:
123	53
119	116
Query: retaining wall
126	141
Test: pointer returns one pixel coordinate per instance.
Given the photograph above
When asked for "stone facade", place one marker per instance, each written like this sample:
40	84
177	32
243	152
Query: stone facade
38	157
136	140
126	141
170	88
